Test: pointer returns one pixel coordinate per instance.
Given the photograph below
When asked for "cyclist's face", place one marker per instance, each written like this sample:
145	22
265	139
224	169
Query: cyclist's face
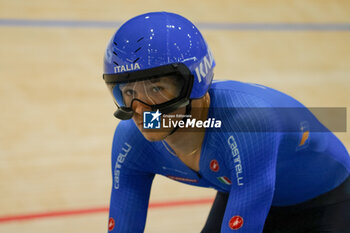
154	91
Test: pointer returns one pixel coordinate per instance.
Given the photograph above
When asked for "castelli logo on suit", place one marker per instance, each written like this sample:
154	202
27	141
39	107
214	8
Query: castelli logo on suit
119	163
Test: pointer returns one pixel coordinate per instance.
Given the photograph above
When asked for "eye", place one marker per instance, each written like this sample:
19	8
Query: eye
157	89
129	92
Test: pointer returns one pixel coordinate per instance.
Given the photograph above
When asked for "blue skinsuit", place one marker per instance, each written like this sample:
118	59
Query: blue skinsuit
256	156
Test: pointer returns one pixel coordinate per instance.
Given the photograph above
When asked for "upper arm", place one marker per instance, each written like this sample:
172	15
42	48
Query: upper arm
131	185
249	203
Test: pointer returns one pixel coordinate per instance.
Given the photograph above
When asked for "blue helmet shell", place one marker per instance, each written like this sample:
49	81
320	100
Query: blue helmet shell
161	38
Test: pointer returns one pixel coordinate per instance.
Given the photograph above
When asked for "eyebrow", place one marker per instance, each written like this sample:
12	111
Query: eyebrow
156	80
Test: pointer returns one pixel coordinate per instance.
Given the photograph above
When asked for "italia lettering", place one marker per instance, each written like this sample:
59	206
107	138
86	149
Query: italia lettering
124	68
236	159
204	66
118	165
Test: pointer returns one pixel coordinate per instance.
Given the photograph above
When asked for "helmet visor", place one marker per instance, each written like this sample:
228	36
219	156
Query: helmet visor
150	88
153	91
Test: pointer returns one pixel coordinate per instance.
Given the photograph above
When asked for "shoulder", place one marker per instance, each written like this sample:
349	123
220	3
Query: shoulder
237	94
256	107
242	94
126	131
129	145
246	116
240	106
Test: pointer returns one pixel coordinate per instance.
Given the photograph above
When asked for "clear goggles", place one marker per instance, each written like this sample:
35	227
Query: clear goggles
165	88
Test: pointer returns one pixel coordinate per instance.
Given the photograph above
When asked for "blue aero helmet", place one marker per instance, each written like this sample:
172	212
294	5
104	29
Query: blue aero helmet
151	46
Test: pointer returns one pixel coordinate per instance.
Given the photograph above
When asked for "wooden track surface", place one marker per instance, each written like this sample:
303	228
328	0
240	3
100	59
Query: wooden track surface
56	122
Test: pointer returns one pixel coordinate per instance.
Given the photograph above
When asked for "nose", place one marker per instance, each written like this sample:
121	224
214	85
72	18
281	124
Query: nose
139	107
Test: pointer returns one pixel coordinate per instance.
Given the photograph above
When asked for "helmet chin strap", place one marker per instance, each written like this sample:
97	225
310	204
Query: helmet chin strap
188	112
